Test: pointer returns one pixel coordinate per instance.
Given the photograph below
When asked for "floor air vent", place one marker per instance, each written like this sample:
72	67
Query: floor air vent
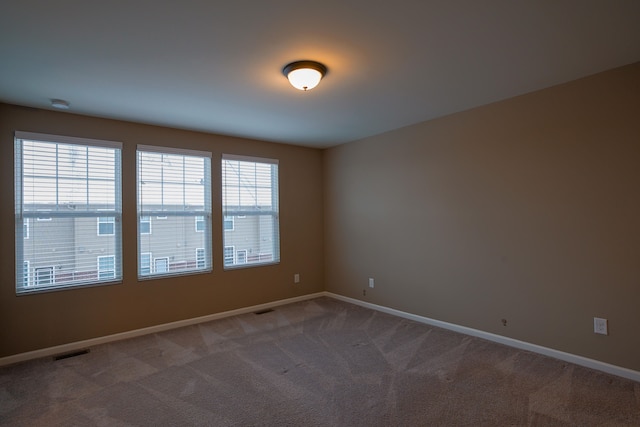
68	355
267	310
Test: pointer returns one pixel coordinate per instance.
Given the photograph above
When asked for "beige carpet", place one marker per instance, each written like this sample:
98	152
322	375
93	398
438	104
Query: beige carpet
315	363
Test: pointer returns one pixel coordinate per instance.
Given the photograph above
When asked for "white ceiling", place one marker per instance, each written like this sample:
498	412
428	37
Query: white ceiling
215	66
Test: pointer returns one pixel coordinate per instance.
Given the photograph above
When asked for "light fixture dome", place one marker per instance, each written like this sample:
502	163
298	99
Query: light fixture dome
304	75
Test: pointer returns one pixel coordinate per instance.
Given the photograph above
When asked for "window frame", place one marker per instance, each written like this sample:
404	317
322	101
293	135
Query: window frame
170	209
246	211
25	211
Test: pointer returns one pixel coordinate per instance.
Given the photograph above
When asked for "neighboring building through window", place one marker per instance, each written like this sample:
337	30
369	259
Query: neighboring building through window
250	211
68	185
174	184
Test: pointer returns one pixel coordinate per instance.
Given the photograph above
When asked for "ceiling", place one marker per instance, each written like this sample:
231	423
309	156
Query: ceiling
215	66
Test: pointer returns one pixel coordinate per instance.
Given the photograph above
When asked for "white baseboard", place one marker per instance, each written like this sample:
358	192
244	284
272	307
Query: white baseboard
568	357
522	345
79	345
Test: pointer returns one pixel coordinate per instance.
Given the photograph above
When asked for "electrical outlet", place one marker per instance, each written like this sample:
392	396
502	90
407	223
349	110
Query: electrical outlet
296	278
600	326
371	282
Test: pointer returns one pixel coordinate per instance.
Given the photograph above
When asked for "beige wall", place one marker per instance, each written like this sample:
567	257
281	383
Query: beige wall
526	209
32	322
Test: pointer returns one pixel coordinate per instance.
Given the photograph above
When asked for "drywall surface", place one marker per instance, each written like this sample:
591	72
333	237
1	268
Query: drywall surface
36	321
526	210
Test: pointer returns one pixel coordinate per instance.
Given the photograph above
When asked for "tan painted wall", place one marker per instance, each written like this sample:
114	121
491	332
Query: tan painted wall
38	321
527	209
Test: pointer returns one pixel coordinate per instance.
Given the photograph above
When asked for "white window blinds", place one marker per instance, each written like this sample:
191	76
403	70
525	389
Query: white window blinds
67	212
250	211
174	211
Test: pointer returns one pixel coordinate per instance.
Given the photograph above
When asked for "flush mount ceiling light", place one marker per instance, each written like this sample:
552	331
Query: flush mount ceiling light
60	104
304	75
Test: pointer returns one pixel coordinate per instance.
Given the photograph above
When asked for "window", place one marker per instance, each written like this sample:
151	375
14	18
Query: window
145	263
26	272
68	185
200	258
228	223
145	225
44	276
228	255
176	184
161	265
106	267
250	210
106	225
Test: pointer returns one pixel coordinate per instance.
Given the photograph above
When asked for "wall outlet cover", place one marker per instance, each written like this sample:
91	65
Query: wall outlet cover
600	326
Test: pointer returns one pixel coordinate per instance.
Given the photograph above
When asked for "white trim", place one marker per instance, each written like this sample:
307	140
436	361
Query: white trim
43	137
252	159
173	150
79	345
522	345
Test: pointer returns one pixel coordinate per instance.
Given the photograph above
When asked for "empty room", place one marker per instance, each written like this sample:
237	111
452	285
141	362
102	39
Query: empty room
354	213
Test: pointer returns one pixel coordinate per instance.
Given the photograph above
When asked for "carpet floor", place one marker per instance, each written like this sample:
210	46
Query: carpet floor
320	362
